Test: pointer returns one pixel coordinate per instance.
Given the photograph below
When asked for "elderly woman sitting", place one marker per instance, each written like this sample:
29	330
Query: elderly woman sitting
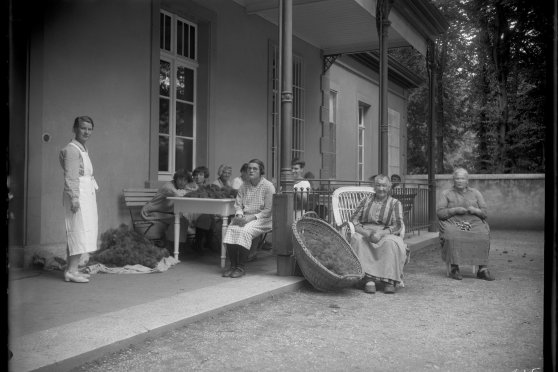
378	221
464	232
223	176
252	217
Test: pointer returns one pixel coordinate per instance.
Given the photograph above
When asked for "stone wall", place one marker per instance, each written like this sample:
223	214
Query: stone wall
515	201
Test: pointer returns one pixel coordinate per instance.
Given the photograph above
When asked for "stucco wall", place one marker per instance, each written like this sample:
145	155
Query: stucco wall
355	84
94	58
87	60
239	127
99	58
515	201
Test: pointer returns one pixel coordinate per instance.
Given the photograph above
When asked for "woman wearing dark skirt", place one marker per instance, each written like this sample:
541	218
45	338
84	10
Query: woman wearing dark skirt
464	232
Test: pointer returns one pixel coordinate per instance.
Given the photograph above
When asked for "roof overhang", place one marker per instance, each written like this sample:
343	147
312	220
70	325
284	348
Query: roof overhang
397	72
349	26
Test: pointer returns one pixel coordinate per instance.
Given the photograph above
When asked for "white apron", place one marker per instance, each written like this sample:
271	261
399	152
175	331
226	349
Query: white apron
82	226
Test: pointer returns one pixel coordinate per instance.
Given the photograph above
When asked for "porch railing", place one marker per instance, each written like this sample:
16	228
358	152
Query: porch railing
413	196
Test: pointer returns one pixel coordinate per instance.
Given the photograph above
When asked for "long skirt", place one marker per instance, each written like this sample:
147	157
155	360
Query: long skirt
243	235
465	240
384	260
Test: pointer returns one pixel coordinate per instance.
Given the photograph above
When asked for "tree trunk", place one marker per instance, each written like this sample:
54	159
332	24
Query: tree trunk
484	122
440	102
501	60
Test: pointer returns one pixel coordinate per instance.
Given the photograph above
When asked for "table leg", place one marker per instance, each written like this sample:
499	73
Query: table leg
223	247
176	233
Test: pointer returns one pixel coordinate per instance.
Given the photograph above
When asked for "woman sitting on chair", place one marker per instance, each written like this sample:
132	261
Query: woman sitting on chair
378	222
464	232
161	210
223	176
252	217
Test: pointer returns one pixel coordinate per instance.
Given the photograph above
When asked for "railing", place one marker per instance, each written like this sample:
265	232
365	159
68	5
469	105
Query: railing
413	196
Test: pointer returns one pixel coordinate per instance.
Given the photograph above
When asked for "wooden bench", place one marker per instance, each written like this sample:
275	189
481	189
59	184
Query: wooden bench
135	199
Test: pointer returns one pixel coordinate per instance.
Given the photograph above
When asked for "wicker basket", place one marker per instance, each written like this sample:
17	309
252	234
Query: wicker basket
317	274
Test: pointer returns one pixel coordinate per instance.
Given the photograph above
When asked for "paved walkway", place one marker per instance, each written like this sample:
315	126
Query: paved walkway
56	325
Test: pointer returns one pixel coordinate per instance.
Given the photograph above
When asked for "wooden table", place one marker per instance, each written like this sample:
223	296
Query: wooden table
222	207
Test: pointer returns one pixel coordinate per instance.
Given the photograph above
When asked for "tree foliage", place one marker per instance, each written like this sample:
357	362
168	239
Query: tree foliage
491	89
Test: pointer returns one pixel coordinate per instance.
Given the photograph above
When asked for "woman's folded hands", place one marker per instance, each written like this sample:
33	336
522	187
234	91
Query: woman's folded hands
459	210
241	220
376	236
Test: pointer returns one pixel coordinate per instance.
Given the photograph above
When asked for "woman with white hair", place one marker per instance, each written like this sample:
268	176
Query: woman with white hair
378	221
224	173
464	232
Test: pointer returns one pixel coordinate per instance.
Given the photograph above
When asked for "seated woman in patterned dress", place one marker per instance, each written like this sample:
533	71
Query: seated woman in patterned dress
252	217
464	232
378	221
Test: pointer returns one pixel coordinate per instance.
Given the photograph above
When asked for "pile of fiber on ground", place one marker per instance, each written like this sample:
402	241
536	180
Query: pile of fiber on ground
124	246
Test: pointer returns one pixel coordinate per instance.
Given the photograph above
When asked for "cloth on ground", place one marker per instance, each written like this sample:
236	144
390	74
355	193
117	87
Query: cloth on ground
163	265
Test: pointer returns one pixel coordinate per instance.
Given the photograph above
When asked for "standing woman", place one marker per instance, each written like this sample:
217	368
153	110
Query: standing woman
79	199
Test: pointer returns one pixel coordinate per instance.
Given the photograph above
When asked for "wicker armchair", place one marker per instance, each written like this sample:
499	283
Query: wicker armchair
343	202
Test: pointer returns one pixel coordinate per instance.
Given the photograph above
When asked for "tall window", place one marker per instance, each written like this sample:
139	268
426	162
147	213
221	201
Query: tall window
332	132
177	94
360	142
394	153
298	109
298	117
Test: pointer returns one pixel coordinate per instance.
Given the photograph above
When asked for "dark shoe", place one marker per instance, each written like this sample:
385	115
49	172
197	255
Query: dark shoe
455	274
228	272
370	287
389	288
485	274
238	272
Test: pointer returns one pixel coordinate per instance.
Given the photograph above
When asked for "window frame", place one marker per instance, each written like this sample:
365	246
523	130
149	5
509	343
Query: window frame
299	108
361	140
176	61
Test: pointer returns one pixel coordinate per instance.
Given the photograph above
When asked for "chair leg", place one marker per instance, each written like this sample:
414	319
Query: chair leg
261	242
474	269
448	268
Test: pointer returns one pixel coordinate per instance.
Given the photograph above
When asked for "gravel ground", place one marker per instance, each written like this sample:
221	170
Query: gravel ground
434	323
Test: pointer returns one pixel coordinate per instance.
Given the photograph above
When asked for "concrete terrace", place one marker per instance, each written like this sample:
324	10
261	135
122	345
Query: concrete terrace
54	325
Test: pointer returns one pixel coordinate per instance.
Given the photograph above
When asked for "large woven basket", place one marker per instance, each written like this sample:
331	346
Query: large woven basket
317	274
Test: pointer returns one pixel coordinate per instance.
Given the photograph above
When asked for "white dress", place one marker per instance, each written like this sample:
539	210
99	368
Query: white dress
82	226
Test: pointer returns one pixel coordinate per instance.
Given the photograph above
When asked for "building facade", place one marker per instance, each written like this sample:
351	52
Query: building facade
178	84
